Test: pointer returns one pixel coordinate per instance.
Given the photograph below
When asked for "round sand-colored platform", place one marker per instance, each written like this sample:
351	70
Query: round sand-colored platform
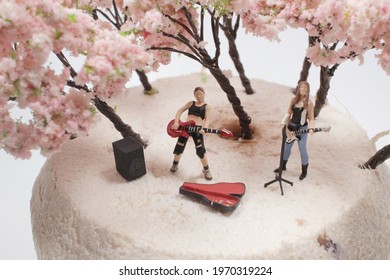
83	209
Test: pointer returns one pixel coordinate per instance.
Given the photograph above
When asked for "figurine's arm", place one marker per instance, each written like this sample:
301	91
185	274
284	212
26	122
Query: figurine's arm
207	116
287	117
178	114
310	111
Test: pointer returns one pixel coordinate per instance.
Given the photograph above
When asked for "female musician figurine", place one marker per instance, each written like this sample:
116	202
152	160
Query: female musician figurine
300	115
199	112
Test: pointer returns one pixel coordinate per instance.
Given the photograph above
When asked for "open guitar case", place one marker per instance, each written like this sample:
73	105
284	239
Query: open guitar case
223	196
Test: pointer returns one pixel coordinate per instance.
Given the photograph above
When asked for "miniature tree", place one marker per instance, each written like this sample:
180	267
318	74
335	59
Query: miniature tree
343	30
178	26
62	104
222	9
230	31
337	30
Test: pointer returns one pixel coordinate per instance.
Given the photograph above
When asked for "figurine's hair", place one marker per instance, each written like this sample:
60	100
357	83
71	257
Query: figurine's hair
199	88
298	92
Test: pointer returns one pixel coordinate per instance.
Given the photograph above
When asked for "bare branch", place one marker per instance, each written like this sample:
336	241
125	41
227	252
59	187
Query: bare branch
237	25
106	16
181	38
181	24
380	156
73	84
333	69
177	51
202	25
66	63
117	15
215	31
191	22
333	47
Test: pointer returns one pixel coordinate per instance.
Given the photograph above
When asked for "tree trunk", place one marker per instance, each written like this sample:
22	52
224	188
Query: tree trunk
325	75
377	159
235	56
305	70
322	92
123	128
238	109
148	89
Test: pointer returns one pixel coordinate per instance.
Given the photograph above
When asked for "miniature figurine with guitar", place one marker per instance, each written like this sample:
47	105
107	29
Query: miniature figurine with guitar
299	121
195	126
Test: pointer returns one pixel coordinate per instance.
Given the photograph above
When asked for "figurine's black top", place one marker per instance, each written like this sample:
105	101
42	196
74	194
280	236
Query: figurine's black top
197	111
299	116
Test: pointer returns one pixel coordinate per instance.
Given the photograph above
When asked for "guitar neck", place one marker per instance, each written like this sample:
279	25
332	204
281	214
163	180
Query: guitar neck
304	131
211	130
197	128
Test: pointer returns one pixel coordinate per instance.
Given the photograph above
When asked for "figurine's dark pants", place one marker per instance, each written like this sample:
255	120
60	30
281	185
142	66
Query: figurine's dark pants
199	145
301	145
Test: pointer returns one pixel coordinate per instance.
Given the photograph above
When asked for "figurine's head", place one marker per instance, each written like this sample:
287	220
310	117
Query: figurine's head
199	94
302	93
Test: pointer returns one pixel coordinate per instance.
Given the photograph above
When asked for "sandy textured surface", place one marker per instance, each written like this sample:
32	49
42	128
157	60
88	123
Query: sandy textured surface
83	209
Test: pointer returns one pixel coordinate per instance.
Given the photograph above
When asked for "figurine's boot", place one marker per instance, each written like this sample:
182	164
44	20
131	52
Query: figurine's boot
283	166
304	172
207	173
175	166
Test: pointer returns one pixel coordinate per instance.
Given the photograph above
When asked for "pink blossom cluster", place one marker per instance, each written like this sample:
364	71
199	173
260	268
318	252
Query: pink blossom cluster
355	26
267	18
352	27
32	30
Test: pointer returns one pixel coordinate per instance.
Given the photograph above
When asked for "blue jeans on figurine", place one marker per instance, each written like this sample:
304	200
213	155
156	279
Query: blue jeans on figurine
301	144
302	150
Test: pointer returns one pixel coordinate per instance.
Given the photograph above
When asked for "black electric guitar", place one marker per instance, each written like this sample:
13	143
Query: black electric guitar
296	134
187	127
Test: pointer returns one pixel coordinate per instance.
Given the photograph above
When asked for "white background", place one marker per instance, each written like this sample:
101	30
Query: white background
362	90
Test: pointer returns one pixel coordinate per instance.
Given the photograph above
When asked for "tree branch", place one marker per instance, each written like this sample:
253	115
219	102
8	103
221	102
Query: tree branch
117	16
202	24
236	25
181	24
177	51
193	27
66	63
73	84
377	159
106	16
182	39
215	31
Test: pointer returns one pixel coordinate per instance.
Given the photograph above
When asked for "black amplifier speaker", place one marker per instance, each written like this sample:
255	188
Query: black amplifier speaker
129	158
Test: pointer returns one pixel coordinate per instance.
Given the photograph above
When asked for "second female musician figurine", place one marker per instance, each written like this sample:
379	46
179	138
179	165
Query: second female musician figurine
300	115
199	112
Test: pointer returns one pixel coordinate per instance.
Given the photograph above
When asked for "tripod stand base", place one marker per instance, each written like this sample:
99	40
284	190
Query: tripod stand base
279	179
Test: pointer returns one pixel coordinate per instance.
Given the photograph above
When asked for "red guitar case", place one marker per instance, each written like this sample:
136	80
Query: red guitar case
222	196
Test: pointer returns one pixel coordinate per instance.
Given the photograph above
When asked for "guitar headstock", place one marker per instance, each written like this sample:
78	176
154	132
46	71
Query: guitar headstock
326	129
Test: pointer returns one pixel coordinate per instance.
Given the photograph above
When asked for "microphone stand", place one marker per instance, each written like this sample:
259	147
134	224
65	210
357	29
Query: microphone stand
278	177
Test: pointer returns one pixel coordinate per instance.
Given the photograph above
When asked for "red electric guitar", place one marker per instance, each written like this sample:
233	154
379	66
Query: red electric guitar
186	127
222	196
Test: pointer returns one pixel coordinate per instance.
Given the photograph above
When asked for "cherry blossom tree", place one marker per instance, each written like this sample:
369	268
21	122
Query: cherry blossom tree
170	26
62	103
345	30
337	31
